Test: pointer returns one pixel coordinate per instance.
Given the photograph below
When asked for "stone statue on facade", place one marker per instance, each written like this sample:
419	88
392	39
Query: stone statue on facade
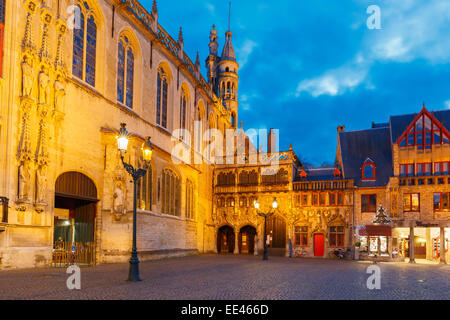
118	200
41	176
60	94
24	181
27	76
44	88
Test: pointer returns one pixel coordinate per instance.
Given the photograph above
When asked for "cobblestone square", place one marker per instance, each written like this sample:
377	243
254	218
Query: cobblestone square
233	277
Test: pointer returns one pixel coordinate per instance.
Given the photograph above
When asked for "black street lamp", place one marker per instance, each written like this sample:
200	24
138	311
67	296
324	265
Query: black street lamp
136	173
266	215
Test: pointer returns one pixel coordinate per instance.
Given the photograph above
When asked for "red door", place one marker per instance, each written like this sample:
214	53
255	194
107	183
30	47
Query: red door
318	245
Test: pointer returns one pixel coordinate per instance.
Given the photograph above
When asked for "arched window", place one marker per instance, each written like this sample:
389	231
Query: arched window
171	192
368	170
198	131
221	202
84	44
183	107
244	177
242	201
161	98
2	32
233	120
144	191
189	200
125	72
230	202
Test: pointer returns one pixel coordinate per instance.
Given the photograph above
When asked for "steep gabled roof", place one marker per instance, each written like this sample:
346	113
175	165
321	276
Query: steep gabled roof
400	124
357	146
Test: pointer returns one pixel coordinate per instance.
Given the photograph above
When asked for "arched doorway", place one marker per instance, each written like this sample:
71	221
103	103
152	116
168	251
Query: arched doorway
247	240
74	220
225	240
276	229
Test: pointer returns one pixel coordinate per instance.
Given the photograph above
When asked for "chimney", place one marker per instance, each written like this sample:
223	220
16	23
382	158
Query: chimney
272	141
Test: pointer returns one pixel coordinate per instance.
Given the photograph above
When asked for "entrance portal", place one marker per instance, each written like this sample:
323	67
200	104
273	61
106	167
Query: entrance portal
247	240
276	229
74	221
318	244
225	240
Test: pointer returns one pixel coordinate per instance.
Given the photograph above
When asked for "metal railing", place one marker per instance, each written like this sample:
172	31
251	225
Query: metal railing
67	253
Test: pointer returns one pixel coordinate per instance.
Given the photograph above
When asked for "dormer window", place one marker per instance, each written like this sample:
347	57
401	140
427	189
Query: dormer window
368	170
337	173
303	174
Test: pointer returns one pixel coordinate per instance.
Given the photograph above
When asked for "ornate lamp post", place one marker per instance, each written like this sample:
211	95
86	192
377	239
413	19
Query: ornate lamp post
266	215
136	173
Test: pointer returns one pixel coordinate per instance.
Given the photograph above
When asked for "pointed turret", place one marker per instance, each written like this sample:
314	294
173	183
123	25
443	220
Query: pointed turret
212	60
181	44
228	49
197	61
155	17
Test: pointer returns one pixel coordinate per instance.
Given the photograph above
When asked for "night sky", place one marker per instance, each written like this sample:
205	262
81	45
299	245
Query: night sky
308	66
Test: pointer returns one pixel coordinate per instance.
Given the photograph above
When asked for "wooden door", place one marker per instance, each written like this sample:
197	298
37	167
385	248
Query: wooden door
319	245
276	228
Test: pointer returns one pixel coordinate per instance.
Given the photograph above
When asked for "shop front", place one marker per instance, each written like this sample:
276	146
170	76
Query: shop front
376	241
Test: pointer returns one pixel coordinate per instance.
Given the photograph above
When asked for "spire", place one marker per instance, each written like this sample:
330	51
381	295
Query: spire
228	49
229	17
154	8
197	61
180	37
213	45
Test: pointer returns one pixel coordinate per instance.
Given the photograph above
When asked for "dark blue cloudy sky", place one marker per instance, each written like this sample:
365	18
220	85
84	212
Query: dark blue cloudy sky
309	66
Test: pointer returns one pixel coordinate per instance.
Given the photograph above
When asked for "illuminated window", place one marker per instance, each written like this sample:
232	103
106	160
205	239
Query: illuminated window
368	203
304	199
243	202
84	45
171	192
441	201
336	236
411	202
315	199
189	200
322	199
441	168
125	72
144	191
301	236
2	33
424	169
161	98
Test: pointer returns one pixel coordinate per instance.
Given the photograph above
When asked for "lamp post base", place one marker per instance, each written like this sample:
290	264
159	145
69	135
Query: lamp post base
133	274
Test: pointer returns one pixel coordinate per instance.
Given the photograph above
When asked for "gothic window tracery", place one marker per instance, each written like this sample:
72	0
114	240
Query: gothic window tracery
171	193
161	98
144	190
125	72
84	44
189	200
183	109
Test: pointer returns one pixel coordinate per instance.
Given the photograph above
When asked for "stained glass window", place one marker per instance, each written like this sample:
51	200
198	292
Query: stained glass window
125	63
78	45
84	45
161	99
189	200
120	72
91	48
130	78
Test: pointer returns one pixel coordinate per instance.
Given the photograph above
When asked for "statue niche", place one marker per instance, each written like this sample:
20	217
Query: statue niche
44	87
27	76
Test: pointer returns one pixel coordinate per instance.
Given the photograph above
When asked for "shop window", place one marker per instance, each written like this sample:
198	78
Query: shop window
411	202
301	236
368	203
336	236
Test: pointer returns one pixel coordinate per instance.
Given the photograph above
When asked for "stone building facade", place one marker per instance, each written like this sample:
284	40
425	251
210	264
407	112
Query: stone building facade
72	71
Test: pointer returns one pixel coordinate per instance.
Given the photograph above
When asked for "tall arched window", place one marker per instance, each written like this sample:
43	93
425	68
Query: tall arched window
125	72
144	191
171	192
189	200
183	107
161	98
84	44
2	32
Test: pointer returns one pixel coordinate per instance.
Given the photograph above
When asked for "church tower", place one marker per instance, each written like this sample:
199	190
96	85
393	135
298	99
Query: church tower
213	60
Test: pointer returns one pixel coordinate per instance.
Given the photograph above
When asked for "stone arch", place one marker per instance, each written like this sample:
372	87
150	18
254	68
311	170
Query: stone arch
225	239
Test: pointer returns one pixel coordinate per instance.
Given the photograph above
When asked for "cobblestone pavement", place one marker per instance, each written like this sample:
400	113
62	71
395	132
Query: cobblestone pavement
233	277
